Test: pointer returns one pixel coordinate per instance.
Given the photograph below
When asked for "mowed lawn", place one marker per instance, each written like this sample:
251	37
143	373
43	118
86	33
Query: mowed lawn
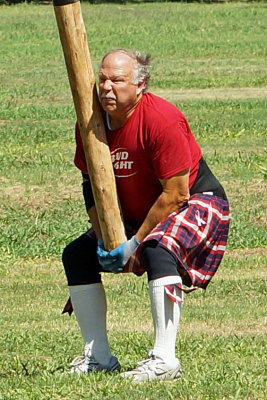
210	61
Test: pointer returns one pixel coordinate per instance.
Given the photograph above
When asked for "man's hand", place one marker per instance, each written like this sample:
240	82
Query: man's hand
102	254
114	260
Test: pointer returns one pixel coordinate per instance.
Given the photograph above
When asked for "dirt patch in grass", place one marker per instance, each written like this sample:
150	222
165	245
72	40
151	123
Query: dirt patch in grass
242	253
258	272
212	93
193	328
36	197
224	329
252	195
256	186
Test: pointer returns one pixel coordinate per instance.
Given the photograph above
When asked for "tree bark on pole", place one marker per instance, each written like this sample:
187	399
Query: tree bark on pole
82	82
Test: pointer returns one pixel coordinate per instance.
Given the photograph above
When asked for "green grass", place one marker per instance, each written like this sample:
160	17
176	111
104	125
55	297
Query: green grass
217	47
221	344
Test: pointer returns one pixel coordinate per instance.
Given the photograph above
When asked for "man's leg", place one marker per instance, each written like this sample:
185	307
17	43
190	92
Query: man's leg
89	304
166	300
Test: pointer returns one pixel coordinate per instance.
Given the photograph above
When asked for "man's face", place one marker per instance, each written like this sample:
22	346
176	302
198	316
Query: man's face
117	94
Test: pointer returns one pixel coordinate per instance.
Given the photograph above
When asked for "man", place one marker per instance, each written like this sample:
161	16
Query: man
175	212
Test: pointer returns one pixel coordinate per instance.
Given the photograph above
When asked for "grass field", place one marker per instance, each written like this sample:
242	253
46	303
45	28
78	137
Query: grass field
210	60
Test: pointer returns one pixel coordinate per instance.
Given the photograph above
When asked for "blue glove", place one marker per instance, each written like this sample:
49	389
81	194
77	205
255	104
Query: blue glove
105	260
114	260
102	254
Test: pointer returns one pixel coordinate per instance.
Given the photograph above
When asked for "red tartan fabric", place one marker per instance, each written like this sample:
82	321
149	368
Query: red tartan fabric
170	292
196	234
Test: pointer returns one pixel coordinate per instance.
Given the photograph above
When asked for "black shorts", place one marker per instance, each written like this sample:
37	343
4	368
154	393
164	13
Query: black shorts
82	267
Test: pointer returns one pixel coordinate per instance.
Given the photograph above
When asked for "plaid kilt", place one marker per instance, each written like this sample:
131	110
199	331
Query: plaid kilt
196	234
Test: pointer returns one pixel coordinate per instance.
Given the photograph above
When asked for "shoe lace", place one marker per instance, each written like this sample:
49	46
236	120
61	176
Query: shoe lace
79	360
152	363
85	359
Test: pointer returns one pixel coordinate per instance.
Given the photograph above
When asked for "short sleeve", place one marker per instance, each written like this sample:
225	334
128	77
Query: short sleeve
170	150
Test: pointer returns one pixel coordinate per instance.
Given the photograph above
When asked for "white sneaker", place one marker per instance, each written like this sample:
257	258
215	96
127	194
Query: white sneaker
86	363
154	368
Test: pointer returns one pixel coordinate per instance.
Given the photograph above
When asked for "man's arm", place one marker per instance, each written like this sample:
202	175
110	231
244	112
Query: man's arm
90	204
174	195
93	217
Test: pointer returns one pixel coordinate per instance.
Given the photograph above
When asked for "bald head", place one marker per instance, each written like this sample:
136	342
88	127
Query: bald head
121	62
119	92
142	65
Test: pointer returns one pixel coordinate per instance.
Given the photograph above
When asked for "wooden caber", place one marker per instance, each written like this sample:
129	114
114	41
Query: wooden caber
82	82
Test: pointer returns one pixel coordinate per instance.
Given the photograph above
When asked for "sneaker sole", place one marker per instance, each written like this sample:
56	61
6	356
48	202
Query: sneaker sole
173	376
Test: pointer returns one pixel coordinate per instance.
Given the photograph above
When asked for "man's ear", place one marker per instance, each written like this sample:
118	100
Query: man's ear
140	87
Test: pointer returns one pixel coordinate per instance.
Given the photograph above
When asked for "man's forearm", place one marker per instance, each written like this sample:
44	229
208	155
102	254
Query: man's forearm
174	195
158	212
94	221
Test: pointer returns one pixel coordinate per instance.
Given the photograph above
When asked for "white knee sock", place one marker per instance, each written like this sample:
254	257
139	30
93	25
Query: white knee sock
166	316
90	307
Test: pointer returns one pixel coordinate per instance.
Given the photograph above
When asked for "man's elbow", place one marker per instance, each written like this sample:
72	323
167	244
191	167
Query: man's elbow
174	202
182	199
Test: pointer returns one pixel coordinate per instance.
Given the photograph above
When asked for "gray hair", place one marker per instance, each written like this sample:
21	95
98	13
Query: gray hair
143	65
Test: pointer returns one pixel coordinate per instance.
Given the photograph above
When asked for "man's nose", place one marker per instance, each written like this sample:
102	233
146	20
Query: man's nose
107	84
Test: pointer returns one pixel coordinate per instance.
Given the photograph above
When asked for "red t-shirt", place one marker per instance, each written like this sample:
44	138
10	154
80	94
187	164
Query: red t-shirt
155	143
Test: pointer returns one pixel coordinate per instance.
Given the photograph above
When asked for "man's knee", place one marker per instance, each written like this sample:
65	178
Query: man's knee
67	256
148	251
157	260
80	261
79	253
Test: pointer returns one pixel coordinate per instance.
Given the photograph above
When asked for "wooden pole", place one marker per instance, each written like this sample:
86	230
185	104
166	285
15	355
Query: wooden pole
82	82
